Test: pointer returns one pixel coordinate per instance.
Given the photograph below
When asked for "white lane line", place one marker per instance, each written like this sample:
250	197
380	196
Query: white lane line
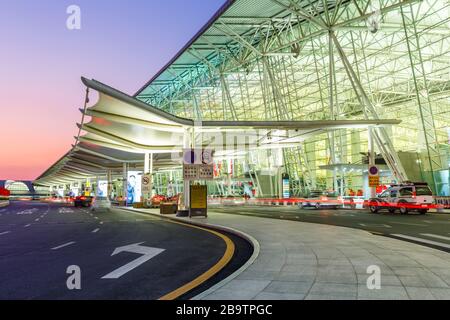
435	236
101	222
96	230
410	224
434	243
37	219
28	225
376	225
96	218
64	245
3	233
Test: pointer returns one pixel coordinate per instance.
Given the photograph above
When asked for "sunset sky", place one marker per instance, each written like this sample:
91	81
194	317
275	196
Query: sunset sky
121	43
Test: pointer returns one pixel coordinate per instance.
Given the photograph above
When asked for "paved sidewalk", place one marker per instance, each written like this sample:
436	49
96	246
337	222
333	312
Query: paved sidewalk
310	261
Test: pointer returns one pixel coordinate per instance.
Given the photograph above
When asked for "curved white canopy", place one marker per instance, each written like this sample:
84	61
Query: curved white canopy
122	129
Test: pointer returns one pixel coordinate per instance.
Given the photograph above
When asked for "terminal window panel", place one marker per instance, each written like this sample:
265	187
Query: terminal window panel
381	62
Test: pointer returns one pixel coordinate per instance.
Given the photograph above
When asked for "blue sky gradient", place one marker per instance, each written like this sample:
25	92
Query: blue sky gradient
122	43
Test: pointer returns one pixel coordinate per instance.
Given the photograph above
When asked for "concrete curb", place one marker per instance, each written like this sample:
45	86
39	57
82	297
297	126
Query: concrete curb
253	242
4	204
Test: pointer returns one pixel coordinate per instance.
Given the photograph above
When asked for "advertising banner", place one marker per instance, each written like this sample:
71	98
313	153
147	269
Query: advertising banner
134	187
102	190
286	189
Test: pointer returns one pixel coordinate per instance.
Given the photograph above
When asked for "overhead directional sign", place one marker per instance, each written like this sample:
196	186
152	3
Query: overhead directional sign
198	156
374	177
198	164
146	252
373	171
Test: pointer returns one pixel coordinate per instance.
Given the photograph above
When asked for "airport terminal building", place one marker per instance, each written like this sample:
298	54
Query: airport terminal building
291	97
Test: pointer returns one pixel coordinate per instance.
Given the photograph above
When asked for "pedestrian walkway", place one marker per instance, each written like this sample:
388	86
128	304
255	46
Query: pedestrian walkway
300	261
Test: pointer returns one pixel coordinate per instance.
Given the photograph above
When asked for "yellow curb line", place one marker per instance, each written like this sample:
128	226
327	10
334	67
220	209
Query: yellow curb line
226	258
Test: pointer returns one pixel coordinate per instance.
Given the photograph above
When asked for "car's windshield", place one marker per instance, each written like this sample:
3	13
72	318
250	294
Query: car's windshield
385	194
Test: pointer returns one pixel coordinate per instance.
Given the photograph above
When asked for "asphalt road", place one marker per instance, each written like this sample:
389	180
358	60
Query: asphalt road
431	230
38	242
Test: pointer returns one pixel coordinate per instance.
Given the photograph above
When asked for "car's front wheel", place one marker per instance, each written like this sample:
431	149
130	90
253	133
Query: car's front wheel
318	206
423	211
403	207
374	208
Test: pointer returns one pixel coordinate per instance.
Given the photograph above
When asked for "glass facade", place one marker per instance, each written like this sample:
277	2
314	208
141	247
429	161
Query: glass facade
263	61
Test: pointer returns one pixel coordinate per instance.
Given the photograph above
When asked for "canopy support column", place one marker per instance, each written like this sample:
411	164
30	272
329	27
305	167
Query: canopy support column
110	182
373	192
187	185
125	178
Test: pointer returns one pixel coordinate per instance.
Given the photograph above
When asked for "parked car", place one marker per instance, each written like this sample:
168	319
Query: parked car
82	201
321	200
234	200
101	204
414	196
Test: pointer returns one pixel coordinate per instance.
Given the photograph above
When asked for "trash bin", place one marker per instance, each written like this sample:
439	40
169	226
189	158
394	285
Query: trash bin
168	208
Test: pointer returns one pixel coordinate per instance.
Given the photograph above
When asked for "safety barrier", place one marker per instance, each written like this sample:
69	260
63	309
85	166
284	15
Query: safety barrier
237	201
443	202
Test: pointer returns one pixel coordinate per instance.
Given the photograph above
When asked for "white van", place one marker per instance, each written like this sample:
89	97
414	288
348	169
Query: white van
414	196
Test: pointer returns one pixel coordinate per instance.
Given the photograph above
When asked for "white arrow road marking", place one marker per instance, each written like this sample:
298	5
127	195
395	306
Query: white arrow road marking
96	230
64	245
375	225
435	236
27	212
434	243
65	210
147	252
3	233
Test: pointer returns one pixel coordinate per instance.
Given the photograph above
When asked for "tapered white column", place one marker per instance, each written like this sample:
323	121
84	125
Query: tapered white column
125	178
373	191
147	163
110	182
187	185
